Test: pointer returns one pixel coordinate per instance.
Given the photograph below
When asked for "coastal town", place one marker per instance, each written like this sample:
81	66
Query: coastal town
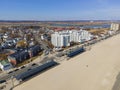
27	49
59	45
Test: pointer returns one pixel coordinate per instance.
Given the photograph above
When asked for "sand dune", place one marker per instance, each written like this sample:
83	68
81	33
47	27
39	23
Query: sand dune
93	70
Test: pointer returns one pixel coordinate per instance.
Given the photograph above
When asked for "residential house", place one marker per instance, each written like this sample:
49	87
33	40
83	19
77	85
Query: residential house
34	50
18	57
5	65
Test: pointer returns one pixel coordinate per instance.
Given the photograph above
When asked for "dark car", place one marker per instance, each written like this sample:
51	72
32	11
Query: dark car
22	67
34	64
16	69
2	81
10	72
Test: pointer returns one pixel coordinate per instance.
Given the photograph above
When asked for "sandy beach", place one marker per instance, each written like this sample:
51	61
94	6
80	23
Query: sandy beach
97	69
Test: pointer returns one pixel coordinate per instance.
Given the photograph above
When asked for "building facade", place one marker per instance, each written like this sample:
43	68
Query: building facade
60	39
63	38
115	27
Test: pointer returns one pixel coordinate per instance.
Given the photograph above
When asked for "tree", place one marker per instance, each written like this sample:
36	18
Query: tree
3	56
22	44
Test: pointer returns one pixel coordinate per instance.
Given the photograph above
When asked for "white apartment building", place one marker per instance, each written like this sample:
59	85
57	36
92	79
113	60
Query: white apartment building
63	38
60	39
115	26
80	36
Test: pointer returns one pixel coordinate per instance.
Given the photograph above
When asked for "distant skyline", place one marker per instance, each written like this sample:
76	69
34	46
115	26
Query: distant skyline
59	10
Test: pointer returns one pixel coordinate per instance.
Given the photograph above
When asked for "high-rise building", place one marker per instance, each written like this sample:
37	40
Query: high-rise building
80	36
63	38
60	39
115	26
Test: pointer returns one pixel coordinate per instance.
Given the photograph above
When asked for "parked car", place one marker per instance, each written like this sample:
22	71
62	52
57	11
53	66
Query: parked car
16	69
34	64
2	81
10	72
22	67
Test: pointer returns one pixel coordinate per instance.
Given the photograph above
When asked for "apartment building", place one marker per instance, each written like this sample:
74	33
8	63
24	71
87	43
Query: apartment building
63	38
115	26
59	39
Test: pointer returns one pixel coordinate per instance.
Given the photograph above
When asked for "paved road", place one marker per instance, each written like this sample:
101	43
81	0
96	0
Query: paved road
43	44
15	73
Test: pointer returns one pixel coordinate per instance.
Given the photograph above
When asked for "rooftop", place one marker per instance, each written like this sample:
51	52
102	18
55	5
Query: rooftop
4	62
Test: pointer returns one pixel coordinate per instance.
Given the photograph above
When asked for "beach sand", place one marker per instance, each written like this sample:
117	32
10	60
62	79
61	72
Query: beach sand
96	69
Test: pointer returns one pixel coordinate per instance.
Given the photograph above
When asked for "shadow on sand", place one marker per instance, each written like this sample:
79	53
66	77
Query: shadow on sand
116	85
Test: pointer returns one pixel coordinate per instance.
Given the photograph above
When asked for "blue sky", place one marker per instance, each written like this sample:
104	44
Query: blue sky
59	9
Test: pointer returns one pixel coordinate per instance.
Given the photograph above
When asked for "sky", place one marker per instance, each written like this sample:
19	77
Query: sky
59	9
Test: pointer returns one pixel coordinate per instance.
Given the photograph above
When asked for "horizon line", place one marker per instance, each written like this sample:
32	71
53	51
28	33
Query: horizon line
54	20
